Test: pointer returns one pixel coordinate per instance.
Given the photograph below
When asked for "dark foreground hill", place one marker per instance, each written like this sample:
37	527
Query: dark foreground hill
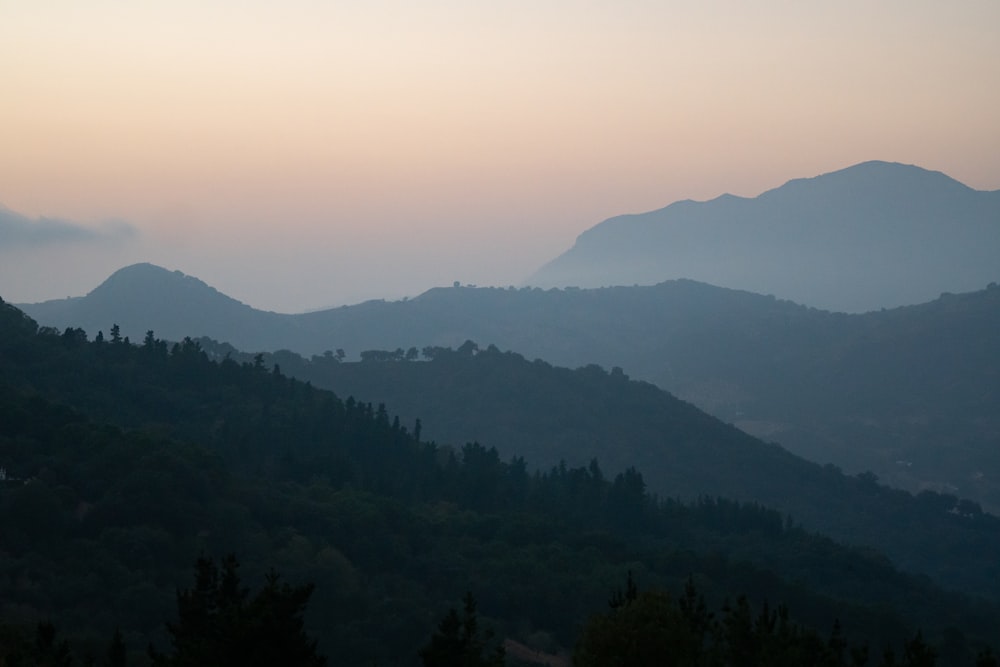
124	463
871	236
907	393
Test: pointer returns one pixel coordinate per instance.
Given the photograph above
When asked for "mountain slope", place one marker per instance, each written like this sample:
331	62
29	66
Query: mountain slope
870	236
555	416
142	457
908	393
144	296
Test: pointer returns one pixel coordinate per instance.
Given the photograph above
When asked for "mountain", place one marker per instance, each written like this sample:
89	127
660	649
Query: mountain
145	296
127	462
908	393
871	236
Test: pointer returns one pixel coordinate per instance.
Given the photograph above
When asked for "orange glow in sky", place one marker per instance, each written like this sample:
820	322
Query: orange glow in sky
304	154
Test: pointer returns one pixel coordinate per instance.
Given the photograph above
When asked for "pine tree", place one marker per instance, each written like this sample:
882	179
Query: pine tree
116	650
986	659
458	641
219	624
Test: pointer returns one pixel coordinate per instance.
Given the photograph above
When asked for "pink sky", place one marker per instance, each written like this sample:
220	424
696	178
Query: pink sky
305	154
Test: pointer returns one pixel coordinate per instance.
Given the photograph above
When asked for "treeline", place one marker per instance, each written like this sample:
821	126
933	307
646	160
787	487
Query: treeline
218	622
127	461
653	627
548	414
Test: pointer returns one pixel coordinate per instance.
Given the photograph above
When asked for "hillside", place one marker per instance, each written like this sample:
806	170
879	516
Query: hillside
906	393
145	295
556	416
875	235
127	462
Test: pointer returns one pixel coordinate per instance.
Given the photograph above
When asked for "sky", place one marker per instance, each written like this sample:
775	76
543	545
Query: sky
305	154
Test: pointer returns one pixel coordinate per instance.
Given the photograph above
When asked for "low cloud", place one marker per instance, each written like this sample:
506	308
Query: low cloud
18	231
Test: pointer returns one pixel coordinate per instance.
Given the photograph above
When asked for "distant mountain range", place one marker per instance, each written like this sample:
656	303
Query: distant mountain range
874	235
909	393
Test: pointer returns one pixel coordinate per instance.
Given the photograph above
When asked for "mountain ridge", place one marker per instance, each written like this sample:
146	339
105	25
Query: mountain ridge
873	235
911	384
145	296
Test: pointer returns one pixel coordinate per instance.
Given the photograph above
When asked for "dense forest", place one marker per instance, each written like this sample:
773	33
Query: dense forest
550	415
124	464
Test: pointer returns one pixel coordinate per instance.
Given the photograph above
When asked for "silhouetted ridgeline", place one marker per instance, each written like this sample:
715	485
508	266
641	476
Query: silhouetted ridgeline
549	414
871	236
907	393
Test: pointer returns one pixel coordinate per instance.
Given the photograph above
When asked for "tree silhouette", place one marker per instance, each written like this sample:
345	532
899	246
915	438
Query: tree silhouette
218	623
116	656
458	641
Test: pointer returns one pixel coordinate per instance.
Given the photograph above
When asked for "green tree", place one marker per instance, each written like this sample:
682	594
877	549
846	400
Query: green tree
116	650
648	629
459	642
986	659
19	647
47	650
218	623
916	653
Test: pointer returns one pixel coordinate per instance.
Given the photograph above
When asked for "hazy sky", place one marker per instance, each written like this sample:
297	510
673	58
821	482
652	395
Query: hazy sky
300	154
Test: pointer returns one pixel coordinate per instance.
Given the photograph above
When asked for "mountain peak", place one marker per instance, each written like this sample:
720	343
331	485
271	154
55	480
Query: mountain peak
146	281
145	296
881	178
873	235
144	275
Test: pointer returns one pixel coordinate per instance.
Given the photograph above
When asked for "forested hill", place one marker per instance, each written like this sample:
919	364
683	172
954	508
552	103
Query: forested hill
549	415
144	296
126	462
908	393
